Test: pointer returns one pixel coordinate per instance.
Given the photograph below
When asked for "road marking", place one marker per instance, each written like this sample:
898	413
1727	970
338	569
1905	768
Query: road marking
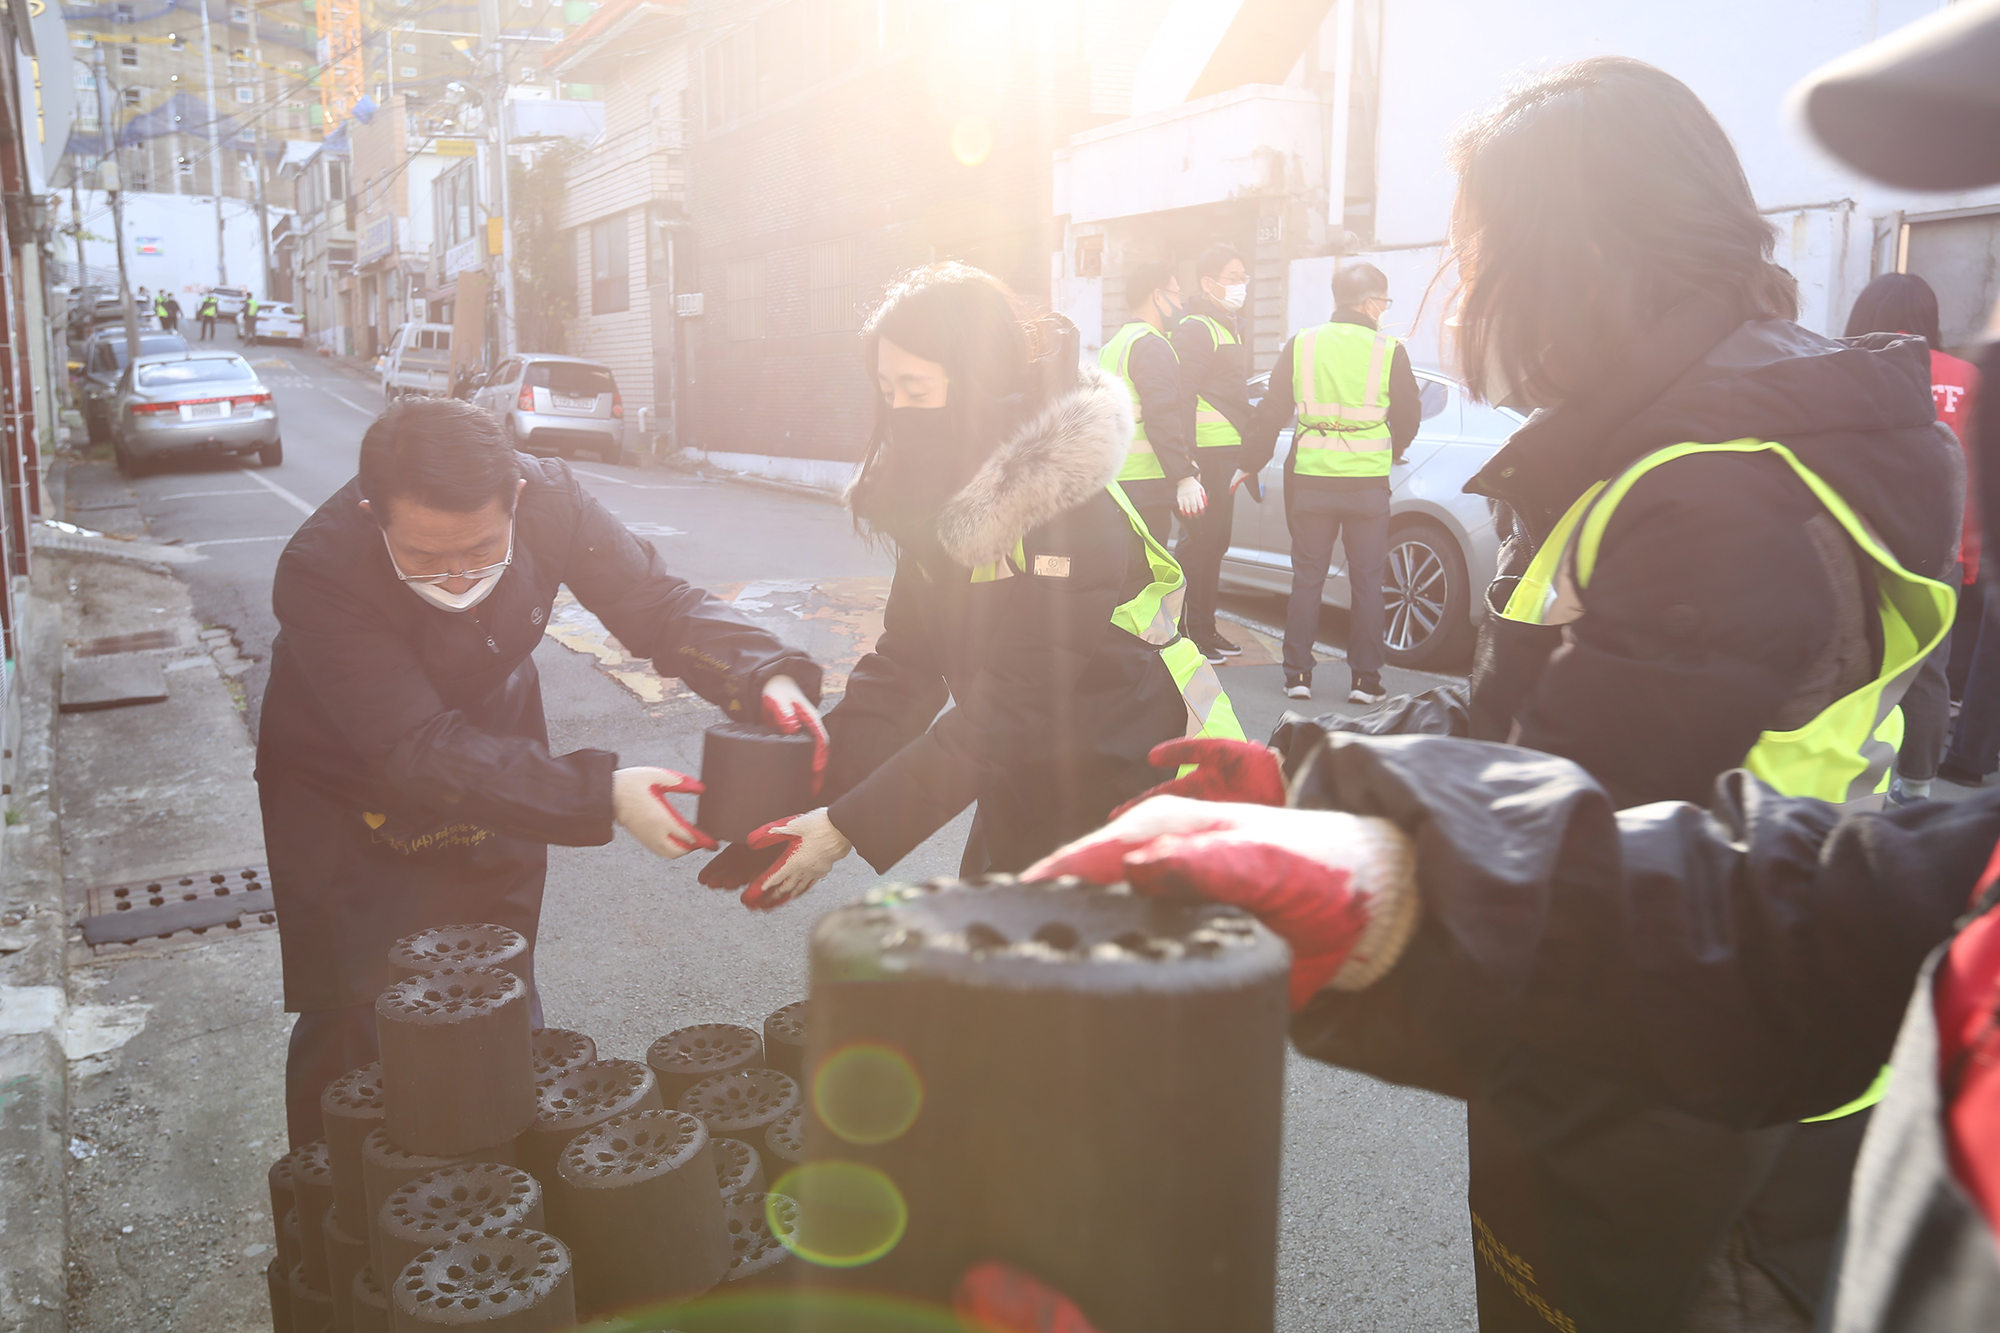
193	495
279	491
232	541
653	530
341	398
635	485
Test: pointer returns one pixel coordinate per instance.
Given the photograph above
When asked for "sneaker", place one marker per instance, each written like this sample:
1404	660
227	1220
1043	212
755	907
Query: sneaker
1228	649
1963	777
1367	690
1903	791
1212	652
1298	687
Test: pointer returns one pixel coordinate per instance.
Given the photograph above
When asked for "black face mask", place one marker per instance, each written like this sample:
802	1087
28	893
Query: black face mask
922	465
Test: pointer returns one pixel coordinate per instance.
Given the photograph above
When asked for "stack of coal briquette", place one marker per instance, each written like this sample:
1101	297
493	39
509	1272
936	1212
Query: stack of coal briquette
562	1182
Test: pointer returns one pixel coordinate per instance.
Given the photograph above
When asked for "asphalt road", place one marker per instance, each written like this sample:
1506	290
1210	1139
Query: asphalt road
1374	1228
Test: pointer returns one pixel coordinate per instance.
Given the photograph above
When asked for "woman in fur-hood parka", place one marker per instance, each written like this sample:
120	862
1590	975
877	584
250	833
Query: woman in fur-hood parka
988	475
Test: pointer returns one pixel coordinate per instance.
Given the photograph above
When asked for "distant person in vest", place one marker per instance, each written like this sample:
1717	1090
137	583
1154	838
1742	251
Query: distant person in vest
403	762
1356	400
250	319
1904	303
170	313
210	307
1028	594
1159	476
1726	540
1215	368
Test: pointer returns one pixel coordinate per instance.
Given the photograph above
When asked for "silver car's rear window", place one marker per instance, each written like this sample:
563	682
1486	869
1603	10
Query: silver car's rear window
194	372
566	378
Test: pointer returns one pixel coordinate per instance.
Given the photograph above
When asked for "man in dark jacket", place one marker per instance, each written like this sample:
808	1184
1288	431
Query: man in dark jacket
403	763
1328	503
1215	369
1159	476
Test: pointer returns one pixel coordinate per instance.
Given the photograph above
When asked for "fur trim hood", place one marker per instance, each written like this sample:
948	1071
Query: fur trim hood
1053	462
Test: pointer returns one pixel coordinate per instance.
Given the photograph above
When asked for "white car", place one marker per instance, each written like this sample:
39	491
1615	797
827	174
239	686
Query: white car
228	301
1442	548
277	321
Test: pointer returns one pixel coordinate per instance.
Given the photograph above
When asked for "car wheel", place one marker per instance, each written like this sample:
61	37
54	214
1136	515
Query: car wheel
1426	596
272	454
128	463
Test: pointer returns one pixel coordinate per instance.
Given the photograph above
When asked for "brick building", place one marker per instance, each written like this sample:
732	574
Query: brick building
835	144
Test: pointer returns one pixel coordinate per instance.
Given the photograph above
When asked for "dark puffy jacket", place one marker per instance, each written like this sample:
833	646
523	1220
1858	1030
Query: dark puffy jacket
1056	707
1594	976
379	698
1715	611
1220	374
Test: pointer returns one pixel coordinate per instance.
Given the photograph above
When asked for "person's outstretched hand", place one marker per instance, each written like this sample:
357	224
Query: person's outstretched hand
779	861
787	708
1340	889
639	803
1224	770
995	1297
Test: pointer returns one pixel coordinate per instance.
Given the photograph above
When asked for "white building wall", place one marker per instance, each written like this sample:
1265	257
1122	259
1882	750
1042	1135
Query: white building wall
1443	60
184	227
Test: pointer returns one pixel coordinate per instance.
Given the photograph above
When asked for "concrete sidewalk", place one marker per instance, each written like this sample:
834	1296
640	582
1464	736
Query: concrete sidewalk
139	1082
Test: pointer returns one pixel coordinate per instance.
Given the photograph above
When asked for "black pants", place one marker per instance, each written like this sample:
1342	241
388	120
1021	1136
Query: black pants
1975	739
1153	497
1205	540
207	327
1319	516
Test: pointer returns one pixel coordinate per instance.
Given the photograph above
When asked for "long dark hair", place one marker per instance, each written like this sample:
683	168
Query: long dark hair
1592	200
1897	303
969	322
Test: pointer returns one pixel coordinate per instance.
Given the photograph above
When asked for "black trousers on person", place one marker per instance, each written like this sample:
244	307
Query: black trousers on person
1205	540
1319	516
1153	497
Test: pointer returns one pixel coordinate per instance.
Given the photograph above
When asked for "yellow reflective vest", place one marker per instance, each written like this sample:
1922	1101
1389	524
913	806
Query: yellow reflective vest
1141	463
1153	614
1340	381
1212	429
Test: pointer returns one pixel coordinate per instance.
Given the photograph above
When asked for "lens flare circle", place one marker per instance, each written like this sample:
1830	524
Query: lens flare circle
972	141
868	1093
849	1214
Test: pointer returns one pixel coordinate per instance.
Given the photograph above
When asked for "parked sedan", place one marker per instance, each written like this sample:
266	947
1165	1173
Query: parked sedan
104	357
196	403
556	404
277	321
1442	549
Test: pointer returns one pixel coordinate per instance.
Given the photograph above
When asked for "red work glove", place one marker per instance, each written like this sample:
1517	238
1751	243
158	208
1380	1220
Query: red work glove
787	708
639	803
998	1298
1340	889
1224	771
779	861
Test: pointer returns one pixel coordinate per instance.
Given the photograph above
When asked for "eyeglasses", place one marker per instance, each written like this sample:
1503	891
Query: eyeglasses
483	572
1386	302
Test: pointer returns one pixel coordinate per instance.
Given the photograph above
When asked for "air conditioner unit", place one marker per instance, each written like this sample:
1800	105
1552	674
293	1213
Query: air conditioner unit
688	304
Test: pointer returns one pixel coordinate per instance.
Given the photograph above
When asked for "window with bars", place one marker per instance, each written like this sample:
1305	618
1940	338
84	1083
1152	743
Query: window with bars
831	294
610	267
743	282
128	57
130	96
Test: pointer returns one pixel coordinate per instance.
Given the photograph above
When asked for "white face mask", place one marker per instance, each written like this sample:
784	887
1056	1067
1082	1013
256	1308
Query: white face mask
1232	297
453	601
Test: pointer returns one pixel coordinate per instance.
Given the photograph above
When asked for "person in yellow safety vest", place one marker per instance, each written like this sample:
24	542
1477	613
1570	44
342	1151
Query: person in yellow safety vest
1724	540
1215	368
210	307
1356	399
1159	476
1028	594
250	319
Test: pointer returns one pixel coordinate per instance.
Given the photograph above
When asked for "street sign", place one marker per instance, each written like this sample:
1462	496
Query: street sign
149	245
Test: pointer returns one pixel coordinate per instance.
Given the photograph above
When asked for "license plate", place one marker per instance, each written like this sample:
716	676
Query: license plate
574	404
203	411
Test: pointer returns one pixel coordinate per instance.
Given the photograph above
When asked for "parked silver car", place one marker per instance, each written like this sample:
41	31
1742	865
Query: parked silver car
178	406
104	357
556	405
1442	549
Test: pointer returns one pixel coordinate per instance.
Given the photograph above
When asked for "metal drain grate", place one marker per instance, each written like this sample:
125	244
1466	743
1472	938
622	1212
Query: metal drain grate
156	909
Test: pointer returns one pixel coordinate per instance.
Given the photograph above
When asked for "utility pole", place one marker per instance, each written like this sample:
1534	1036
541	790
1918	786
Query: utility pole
257	162
493	90
214	148
114	186
76	221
